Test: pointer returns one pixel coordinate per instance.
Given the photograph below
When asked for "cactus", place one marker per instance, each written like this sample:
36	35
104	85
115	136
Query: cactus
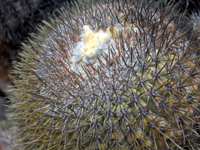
108	75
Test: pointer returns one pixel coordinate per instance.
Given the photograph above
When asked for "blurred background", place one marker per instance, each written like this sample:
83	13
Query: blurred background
18	18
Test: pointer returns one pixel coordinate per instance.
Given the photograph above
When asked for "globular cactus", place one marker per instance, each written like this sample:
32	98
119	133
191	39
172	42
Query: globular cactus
108	75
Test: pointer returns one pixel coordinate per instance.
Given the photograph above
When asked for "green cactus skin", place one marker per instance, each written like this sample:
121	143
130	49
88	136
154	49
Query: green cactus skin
140	89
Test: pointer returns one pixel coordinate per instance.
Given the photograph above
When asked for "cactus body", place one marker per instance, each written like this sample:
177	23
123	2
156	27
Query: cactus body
108	75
